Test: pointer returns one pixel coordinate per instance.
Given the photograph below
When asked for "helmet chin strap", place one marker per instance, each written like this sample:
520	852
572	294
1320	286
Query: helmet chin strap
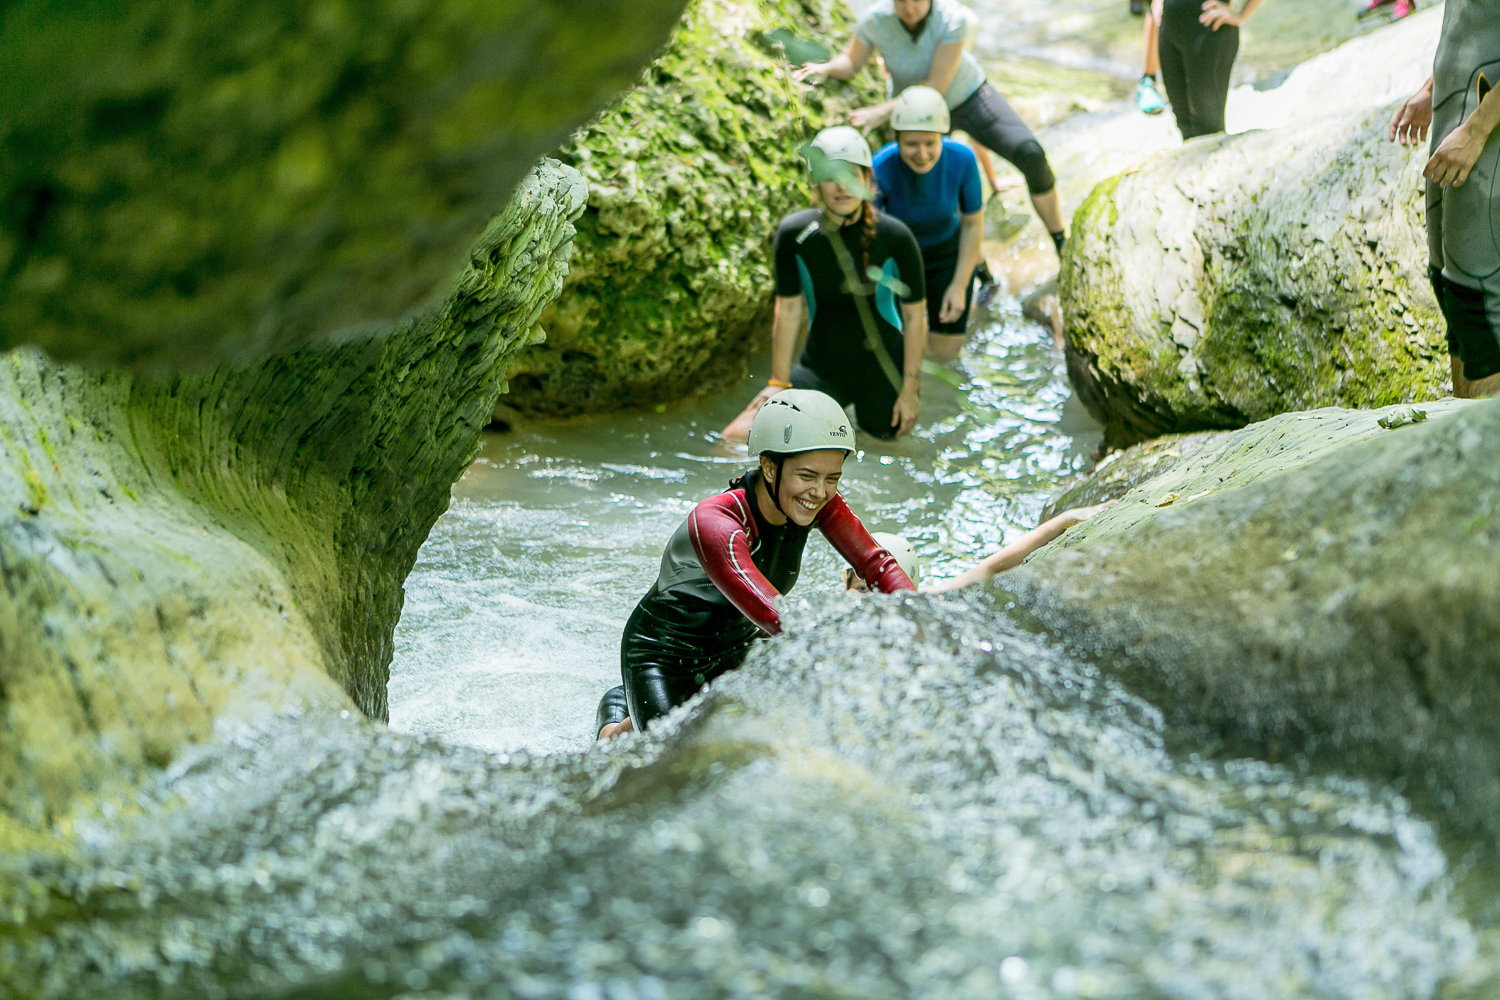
776	491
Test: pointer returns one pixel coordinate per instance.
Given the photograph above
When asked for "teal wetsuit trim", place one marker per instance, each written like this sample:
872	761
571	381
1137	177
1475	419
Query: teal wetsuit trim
885	299
807	291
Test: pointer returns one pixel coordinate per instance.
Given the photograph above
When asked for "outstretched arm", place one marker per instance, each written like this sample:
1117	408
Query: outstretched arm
875	565
840	67
718	530
790	311
1016	552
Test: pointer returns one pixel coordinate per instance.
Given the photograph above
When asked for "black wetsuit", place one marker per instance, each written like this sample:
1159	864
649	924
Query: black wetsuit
837	360
1196	62
713	596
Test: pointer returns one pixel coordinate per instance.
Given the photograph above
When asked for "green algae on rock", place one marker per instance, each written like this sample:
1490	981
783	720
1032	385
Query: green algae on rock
688	175
188	184
1321	586
184	556
1250	275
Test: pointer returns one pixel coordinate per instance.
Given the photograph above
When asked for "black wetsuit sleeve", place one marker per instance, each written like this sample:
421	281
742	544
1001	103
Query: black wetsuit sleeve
908	257
784	255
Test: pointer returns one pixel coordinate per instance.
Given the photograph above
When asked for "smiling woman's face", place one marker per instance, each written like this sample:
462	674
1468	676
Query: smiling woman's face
920	150
808	481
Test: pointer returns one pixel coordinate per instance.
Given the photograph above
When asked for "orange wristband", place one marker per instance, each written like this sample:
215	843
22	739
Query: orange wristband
778	384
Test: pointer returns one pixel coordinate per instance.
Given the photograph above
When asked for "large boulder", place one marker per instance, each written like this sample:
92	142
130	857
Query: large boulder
688	175
191	555
1247	275
195	183
1321	585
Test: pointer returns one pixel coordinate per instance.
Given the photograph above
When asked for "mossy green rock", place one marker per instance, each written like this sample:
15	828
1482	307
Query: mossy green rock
688	175
1315	584
192	555
1255	274
196	183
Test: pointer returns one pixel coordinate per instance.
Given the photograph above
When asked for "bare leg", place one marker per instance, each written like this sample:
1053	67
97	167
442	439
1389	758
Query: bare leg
616	729
1152	64
944	346
1050	211
1481	388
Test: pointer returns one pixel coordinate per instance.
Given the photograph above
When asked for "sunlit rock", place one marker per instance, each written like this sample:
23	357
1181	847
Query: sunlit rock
688	175
1254	274
1317	584
183	556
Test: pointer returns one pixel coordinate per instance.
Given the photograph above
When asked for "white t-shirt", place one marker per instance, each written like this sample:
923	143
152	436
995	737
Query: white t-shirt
910	61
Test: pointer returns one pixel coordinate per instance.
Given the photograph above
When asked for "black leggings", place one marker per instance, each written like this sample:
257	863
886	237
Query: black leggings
872	394
1472	338
941	264
992	122
658	679
1196	62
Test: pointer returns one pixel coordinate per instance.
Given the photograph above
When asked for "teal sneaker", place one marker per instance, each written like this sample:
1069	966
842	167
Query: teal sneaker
1148	98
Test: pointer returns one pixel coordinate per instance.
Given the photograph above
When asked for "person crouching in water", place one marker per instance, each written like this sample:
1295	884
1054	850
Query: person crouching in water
736	552
931	183
866	337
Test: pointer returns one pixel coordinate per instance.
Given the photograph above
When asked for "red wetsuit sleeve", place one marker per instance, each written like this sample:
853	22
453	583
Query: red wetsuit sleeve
720	528
875	565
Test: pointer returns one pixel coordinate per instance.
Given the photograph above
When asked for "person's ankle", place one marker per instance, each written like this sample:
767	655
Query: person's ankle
1059	239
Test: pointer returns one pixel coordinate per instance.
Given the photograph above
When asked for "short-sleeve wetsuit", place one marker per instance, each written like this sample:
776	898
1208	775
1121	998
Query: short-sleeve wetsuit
837	359
932	206
713	596
1462	221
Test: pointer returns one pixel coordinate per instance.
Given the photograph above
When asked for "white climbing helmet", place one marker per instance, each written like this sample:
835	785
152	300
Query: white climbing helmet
900	550
841	142
796	420
920	109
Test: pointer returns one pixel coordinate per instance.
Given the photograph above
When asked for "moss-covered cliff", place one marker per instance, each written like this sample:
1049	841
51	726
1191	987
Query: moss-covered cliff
1250	275
688	175
182	556
192	183
1318	584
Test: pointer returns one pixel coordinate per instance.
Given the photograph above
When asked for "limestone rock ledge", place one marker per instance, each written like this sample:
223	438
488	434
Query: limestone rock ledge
1314	584
181	556
688	175
1249	275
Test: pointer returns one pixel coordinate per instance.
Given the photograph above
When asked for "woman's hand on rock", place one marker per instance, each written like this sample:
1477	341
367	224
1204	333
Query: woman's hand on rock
801	73
1412	120
953	301
1217	13
904	413
1080	514
866	119
1455	157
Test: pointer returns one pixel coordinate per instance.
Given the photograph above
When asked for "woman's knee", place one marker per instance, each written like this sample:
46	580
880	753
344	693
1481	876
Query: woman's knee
1031	160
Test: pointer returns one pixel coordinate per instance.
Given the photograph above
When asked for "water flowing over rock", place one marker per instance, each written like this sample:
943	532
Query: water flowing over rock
186	555
1248	275
911	798
190	184
688	175
1318	584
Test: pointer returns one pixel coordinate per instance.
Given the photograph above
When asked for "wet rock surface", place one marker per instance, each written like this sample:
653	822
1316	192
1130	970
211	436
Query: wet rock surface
688	174
1317	584
182	557
1255	274
186	185
907	798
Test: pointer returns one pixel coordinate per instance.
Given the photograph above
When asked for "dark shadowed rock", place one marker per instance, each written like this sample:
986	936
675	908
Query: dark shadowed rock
196	183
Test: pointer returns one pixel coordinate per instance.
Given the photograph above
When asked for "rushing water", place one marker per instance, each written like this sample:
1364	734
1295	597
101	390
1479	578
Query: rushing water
512	619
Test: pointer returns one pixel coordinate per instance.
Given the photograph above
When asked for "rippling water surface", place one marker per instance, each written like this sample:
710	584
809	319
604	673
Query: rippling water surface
512	620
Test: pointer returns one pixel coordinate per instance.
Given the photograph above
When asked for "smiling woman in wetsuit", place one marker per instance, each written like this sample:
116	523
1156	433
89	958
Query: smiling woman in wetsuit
865	336
931	183
736	552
